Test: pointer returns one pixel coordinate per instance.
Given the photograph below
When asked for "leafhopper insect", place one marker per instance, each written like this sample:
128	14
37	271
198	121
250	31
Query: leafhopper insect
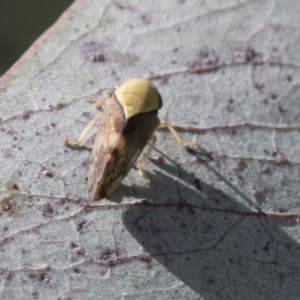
127	123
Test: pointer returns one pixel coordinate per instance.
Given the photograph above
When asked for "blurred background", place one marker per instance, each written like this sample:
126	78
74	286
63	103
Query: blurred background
22	22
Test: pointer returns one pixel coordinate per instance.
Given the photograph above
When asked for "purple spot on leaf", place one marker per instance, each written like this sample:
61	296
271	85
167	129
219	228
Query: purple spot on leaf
145	18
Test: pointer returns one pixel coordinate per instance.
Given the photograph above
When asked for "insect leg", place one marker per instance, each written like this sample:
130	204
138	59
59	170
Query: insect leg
176	135
80	141
98	103
141	164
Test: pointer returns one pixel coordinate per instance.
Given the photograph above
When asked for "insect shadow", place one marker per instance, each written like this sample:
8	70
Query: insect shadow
212	241
160	181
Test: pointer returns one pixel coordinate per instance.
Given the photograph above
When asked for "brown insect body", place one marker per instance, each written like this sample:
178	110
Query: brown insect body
118	144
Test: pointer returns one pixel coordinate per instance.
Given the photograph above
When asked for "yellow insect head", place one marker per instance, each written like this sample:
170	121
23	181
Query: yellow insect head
138	96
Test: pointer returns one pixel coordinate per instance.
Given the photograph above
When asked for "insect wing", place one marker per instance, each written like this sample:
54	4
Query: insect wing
129	147
111	125
116	150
